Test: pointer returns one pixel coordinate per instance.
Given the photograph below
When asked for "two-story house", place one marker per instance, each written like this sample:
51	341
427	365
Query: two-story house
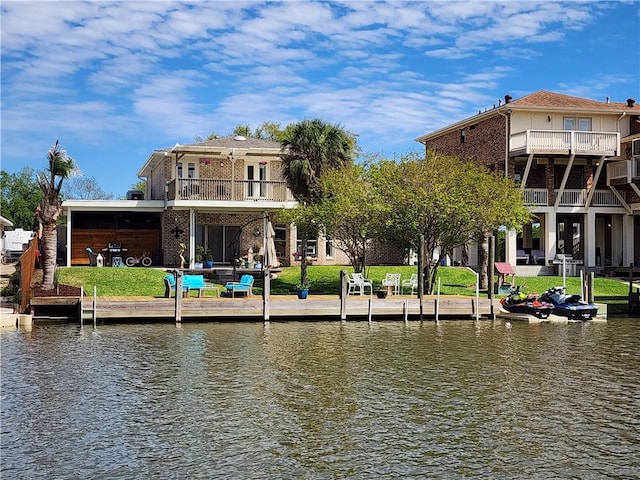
576	161
219	195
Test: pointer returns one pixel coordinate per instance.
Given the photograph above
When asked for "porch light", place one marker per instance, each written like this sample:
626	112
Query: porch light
256	232
263	162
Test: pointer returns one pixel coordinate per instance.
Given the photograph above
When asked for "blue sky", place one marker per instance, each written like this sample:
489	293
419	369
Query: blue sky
115	80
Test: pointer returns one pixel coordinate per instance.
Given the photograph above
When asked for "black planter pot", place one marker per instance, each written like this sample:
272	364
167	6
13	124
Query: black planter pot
381	293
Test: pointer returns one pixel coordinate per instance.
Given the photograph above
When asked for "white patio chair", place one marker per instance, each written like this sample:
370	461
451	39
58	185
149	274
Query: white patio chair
353	286
412	283
392	280
360	284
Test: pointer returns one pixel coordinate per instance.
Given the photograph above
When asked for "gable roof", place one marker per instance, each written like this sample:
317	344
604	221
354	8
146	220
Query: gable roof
546	101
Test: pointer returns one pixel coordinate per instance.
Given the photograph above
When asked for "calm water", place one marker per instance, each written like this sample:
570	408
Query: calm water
322	401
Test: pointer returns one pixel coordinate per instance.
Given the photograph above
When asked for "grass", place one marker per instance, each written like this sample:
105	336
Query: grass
140	281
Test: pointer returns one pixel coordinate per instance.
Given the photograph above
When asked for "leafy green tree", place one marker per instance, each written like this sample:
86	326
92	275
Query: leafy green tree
350	212
84	188
449	201
140	186
266	130
211	136
312	148
61	166
19	197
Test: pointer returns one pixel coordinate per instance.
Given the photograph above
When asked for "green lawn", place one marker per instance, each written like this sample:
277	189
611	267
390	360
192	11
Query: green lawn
323	279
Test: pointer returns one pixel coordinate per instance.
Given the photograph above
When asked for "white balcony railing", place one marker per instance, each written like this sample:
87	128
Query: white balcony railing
566	142
572	197
228	190
625	170
606	198
536	196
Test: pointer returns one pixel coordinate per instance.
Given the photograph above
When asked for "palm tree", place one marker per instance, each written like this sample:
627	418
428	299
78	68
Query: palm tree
313	147
60	167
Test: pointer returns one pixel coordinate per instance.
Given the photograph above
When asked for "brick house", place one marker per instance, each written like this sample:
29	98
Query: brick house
217	194
576	161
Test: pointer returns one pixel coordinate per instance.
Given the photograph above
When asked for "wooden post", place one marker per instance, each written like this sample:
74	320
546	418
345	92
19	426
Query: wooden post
266	293
343	295
178	312
421	273
95	305
492	267
81	305
437	312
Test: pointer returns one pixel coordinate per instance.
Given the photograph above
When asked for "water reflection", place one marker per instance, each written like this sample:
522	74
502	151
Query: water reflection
322	400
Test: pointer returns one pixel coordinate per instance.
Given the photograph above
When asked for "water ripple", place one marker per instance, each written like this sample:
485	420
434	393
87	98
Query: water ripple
322	401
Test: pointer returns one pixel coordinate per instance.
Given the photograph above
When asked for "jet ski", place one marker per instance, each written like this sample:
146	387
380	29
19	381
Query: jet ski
570	306
518	302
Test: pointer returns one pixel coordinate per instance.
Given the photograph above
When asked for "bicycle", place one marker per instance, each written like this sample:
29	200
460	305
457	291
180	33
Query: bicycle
6	258
144	260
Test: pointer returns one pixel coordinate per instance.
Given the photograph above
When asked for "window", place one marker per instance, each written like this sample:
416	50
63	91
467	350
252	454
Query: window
256	175
583	124
312	247
190	167
280	241
328	247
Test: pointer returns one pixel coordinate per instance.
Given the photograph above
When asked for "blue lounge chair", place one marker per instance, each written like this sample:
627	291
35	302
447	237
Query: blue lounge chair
170	286
196	282
244	285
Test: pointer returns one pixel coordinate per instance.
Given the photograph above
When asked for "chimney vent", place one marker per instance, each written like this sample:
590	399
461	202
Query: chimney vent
630	102
507	99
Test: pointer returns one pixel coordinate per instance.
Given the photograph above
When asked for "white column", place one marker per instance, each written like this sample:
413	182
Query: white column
590	238
192	238
627	240
617	240
68	240
550	235
511	246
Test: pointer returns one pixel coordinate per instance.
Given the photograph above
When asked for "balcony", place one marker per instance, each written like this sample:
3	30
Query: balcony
571	198
215	189
623	171
565	142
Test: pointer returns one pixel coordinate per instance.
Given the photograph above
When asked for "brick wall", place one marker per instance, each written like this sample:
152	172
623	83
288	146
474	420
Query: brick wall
483	143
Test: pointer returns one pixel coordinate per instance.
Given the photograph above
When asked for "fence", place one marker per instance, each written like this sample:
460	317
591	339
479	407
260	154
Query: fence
27	267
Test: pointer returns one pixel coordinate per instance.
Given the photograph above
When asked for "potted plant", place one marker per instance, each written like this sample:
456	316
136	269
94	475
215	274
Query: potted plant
258	261
199	256
381	293
303	291
208	258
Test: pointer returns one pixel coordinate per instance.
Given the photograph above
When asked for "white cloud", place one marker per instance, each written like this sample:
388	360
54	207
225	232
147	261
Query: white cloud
152	73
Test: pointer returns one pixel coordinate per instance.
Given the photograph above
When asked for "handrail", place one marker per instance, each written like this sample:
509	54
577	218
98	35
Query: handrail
218	189
566	141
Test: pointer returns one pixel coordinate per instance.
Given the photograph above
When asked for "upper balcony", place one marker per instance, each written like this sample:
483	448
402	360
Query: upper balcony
622	171
565	142
572	198
216	189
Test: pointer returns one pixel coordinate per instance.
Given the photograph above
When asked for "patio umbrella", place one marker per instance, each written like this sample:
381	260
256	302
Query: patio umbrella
272	256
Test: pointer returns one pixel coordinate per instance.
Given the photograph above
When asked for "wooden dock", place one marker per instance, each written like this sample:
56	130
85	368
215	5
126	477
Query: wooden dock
280	308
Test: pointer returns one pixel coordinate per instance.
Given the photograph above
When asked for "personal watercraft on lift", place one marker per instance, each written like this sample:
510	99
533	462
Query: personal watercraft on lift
518	302
570	306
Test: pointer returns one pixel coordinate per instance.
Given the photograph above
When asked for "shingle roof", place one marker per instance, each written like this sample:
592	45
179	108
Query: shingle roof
235	142
543	98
